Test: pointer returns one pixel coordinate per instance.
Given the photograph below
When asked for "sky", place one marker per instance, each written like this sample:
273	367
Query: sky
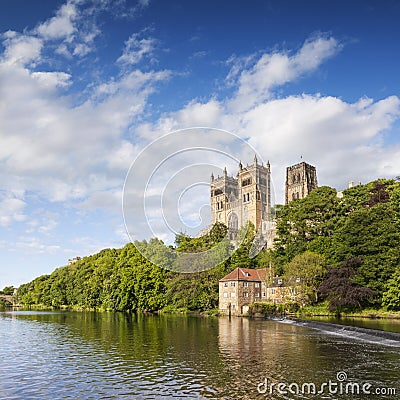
88	88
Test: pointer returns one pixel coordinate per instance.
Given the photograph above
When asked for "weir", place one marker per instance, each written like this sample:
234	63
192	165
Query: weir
352	332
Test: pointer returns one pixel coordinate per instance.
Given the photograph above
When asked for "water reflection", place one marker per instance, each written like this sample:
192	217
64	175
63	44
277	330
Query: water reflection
115	355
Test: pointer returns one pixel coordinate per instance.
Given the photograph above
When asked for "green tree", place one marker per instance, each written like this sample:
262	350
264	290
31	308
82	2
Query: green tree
371	234
240	258
307	224
8	290
306	272
391	296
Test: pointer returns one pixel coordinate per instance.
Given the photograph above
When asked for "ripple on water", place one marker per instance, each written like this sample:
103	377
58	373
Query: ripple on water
85	356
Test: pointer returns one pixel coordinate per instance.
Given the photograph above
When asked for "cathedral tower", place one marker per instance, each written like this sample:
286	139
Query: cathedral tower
235	201
301	179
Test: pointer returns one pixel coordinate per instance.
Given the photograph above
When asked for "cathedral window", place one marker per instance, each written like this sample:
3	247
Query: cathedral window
246	182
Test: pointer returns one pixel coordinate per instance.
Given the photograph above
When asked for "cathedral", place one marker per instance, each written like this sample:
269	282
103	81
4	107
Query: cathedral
247	197
301	179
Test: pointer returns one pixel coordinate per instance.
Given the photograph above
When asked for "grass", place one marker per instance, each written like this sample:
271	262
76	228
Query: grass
322	310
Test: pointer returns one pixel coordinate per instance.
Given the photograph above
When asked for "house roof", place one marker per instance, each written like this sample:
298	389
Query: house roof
246	274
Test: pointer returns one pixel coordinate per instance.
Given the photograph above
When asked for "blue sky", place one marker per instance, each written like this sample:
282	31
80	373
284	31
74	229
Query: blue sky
85	86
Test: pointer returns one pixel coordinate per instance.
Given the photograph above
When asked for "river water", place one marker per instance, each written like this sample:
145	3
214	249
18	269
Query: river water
72	355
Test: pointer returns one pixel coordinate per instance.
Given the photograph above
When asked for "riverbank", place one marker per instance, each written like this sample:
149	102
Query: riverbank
308	312
321	310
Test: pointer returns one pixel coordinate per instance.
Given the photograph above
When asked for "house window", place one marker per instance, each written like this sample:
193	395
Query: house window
256	294
245	284
257	285
246	274
245	294
232	284
233	306
225	294
226	284
233	294
279	281
272	291
248	196
263	294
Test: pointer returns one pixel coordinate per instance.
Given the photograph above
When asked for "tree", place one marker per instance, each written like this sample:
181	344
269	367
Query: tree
306	272
341	291
240	257
307	224
371	234
379	194
391	297
8	290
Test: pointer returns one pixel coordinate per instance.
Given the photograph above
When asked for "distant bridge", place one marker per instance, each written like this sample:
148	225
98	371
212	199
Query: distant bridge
8	298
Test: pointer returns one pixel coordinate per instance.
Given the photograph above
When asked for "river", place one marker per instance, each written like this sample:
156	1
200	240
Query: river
83	355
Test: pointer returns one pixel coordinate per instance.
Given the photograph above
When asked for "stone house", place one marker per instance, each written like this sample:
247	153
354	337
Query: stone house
245	286
74	260
278	292
239	289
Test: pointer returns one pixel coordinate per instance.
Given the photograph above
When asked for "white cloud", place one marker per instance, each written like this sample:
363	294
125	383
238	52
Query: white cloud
51	144
136	49
255	83
78	153
107	199
21	49
46	135
33	245
344	140
328	132
52	79
62	25
11	210
48	227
